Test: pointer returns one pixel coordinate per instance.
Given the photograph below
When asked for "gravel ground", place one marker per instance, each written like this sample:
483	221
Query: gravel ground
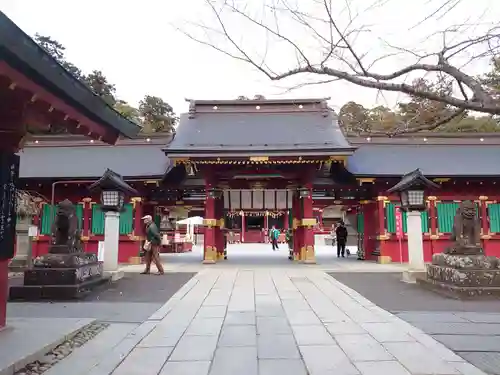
135	287
130	300
387	291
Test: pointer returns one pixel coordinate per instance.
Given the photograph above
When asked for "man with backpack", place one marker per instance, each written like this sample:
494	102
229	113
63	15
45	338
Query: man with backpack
274	235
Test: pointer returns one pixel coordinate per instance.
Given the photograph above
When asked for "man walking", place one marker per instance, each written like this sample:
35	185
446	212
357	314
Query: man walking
274	235
153	241
341	233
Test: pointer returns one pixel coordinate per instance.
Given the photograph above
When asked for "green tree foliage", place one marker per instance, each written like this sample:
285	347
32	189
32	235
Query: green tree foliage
57	51
157	115
129	112
101	87
154	114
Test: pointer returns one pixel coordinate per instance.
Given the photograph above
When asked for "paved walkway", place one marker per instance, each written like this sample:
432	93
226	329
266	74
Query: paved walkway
269	321
261	256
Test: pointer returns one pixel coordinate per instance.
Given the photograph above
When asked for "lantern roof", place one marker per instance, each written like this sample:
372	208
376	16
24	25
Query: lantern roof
414	179
112	181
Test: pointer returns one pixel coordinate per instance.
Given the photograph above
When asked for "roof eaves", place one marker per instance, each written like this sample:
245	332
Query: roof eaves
22	51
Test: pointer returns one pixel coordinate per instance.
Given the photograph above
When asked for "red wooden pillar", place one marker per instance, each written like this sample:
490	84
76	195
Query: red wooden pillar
218	229
485	227
242	234
382	236
87	213
287	220
137	205
433	217
297	229
433	225
308	223
484	215
369	209
210	222
266	227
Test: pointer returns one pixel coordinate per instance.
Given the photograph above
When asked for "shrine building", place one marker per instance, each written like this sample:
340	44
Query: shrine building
36	92
246	165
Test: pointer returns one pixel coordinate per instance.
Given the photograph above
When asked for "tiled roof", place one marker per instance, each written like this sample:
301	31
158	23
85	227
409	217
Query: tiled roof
433	160
92	161
23	54
272	133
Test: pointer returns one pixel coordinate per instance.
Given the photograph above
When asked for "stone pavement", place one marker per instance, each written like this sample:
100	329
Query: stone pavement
261	256
469	328
44	334
267	321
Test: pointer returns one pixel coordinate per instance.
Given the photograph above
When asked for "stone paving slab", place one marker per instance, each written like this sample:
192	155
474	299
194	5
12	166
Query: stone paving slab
44	335
470	328
228	321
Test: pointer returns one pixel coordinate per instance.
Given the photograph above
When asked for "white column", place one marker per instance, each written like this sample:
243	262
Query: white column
415	241
111	240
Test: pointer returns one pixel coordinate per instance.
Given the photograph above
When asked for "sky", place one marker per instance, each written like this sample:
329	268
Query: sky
142	48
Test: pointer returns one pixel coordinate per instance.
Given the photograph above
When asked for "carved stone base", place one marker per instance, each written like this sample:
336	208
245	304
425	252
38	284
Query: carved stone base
463	276
64	260
458	292
59	283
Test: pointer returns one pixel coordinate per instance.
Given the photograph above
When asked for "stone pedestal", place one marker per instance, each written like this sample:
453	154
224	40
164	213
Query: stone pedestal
22	259
60	276
111	241
464	273
416	264
415	241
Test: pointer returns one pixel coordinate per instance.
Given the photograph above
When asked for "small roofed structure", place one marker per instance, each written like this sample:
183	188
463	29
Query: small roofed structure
35	93
413	179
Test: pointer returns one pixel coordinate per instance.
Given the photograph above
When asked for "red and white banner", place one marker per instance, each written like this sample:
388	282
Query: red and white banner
399	222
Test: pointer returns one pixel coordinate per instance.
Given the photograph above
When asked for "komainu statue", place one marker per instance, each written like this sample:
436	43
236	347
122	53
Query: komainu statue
466	230
66	236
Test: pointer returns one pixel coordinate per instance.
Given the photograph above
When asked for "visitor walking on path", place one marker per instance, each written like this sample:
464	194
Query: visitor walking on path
151	246
274	235
341	233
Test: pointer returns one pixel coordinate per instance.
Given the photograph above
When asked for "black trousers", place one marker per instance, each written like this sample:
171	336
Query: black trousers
341	248
275	244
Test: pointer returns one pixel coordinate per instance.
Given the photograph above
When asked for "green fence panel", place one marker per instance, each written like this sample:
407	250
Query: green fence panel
157	220
49	213
494	216
445	215
46	220
127	219
97	220
390	214
360	222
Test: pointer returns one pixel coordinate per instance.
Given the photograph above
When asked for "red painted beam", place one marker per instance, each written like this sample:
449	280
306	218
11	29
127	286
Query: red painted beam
20	80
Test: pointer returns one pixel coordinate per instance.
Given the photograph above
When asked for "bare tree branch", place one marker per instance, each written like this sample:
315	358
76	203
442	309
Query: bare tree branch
335	32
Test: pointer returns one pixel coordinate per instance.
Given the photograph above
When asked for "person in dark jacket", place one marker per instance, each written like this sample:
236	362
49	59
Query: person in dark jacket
151	247
341	233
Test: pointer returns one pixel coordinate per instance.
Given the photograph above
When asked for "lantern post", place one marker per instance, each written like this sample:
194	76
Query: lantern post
113	190
412	192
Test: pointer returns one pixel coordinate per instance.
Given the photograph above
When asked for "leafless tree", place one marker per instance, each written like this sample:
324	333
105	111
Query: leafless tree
28	203
331	51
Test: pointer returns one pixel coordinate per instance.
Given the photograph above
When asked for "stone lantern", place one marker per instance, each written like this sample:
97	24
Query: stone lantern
113	190
412	191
